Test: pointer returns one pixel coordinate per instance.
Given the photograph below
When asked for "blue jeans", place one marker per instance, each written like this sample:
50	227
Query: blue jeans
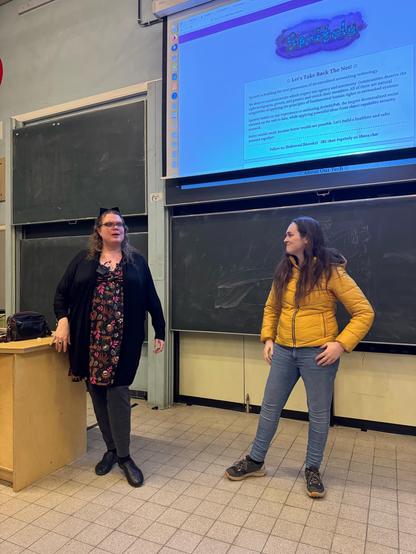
288	364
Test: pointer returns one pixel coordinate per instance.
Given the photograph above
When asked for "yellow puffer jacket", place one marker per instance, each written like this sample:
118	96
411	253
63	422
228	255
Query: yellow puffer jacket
313	323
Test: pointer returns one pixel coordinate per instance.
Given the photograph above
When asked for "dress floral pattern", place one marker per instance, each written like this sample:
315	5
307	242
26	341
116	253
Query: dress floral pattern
106	326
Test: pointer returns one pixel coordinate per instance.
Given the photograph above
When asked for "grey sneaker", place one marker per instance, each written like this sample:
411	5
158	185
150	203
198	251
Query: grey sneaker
314	483
245	468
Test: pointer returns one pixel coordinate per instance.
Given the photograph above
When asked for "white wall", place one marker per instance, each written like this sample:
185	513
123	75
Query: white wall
369	386
70	49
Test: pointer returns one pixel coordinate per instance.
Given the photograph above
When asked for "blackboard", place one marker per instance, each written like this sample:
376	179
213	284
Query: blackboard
222	264
42	264
65	168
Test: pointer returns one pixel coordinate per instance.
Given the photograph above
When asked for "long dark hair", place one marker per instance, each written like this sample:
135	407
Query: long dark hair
317	263
95	242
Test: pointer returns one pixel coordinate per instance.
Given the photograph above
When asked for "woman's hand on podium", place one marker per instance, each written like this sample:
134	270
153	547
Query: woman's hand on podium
61	339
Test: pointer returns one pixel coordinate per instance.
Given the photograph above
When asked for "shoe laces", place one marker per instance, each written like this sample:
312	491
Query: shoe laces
314	477
241	465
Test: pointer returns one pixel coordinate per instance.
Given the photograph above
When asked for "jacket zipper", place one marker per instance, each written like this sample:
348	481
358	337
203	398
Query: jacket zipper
293	326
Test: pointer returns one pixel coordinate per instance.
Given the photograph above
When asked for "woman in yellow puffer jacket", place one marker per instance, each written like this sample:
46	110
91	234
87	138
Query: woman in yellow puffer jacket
301	339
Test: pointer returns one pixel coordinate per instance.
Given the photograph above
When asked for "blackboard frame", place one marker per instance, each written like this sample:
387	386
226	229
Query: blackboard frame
67	165
181	298
42	262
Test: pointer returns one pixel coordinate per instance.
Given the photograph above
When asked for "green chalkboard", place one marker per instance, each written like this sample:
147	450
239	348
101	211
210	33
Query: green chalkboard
43	262
64	168
222	264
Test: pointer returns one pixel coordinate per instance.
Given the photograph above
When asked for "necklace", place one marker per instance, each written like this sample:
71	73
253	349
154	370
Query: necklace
110	261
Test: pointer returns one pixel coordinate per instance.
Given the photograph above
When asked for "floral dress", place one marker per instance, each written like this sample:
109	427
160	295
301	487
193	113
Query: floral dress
106	326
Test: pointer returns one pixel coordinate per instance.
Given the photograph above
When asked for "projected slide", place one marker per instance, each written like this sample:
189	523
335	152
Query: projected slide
358	105
258	84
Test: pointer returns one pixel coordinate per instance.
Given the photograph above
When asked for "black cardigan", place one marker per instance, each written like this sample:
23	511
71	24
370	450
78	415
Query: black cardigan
73	299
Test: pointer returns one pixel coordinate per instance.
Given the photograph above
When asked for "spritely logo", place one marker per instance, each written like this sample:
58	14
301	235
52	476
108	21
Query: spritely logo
319	34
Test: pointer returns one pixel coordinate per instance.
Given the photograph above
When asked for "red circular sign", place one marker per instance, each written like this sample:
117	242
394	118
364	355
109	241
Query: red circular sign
1	71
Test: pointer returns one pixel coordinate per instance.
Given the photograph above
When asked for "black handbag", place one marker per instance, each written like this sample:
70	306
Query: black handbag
26	325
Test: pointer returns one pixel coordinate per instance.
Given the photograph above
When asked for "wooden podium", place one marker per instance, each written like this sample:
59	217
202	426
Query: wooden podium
42	412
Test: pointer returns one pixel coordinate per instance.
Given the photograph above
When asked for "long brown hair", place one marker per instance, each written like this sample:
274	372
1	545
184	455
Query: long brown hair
318	260
95	242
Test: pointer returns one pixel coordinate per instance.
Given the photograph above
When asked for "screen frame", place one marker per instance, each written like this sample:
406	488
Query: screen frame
203	188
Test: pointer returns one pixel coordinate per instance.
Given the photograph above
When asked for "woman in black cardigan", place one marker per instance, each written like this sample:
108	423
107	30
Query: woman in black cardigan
101	304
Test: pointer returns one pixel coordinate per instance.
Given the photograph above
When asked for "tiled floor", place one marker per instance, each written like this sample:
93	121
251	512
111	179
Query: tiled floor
186	505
